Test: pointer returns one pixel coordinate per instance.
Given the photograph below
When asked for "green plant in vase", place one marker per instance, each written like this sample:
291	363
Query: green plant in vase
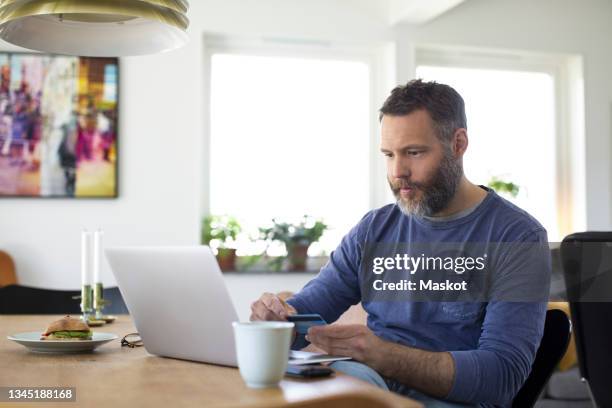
222	231
297	238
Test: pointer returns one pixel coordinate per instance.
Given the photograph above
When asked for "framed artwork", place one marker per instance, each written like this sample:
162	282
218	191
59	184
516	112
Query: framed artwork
58	126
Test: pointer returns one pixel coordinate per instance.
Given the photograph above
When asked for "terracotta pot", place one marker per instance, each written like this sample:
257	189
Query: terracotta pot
227	259
298	254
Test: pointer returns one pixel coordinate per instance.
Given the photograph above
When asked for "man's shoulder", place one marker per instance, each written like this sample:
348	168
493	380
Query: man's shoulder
374	219
383	214
386	210
512	222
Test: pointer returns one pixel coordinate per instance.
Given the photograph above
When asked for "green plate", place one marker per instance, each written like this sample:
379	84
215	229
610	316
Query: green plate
32	341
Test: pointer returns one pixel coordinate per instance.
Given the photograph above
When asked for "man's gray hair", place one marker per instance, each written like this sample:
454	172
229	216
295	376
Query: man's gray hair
444	105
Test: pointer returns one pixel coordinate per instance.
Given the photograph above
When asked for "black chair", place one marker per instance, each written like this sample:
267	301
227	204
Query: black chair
17	299
115	303
556	337
587	266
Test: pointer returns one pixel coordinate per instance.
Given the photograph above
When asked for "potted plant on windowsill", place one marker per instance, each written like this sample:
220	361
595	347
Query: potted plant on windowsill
504	187
221	231
296	237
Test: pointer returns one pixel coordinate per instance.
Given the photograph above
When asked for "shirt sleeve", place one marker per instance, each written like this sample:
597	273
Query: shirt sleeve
511	334
336	287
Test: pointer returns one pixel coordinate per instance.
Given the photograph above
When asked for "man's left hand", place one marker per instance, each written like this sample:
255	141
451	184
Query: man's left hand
428	371
352	340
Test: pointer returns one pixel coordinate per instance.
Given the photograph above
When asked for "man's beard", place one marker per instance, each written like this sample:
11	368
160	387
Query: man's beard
436	194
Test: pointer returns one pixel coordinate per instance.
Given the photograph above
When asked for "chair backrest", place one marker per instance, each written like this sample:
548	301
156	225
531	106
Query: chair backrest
115	303
7	270
557	332
16	299
587	266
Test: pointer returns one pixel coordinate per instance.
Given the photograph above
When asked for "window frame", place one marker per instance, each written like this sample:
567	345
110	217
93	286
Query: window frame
566	71
375	55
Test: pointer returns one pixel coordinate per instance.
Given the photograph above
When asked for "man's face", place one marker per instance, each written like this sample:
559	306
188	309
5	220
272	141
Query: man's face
422	171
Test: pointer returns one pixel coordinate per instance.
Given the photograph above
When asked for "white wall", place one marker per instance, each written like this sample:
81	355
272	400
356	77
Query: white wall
158	179
549	26
160	132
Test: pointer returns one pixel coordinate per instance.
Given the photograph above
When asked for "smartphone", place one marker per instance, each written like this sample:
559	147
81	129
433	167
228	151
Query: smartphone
309	371
302	323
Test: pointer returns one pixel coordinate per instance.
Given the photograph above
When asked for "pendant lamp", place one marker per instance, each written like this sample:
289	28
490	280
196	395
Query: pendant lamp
96	28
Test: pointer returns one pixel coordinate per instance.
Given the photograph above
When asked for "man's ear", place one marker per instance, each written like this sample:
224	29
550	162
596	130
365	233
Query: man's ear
460	142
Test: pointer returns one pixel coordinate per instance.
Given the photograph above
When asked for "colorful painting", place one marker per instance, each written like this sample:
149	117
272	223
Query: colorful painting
58	126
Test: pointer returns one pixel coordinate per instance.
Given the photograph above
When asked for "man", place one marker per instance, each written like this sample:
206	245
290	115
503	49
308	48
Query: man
442	353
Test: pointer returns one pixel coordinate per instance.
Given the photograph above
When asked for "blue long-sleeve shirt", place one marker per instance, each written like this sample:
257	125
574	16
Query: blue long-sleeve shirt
493	343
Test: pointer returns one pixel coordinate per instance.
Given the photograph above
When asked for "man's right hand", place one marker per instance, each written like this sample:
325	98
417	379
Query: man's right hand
271	307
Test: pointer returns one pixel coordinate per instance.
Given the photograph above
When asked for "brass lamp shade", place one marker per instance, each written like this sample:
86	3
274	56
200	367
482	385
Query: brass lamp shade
103	28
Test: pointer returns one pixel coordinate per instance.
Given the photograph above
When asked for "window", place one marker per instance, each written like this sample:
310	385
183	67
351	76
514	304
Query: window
512	135
288	137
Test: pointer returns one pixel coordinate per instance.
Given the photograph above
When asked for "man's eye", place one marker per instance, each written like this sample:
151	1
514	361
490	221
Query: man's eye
414	153
388	155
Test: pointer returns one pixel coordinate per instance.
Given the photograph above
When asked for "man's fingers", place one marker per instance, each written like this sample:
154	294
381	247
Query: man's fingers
273	303
288	308
256	311
337	331
335	347
269	307
322	339
262	312
321	342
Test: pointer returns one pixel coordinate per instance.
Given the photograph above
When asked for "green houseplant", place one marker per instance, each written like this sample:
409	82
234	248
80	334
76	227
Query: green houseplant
296	238
221	231
503	186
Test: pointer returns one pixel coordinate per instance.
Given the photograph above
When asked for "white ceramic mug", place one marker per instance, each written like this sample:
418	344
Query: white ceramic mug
262	349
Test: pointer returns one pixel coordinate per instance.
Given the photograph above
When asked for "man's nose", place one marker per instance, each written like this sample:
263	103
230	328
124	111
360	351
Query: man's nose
399	169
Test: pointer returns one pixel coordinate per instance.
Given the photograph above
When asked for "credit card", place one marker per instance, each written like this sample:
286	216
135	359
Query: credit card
304	321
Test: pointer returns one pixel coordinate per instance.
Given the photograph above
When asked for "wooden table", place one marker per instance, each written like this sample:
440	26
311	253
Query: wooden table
120	376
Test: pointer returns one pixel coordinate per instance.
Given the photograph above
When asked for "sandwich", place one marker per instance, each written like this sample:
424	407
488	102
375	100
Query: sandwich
67	328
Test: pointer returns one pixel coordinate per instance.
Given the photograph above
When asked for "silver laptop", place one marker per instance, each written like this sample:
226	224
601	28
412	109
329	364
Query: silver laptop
178	301
180	305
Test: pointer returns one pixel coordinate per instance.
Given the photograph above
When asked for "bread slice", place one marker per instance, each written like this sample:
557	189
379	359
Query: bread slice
68	329
67	324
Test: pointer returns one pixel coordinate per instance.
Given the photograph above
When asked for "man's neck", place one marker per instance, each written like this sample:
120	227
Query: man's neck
468	195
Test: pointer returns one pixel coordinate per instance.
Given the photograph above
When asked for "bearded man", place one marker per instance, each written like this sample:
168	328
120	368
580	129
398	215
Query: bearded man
445	354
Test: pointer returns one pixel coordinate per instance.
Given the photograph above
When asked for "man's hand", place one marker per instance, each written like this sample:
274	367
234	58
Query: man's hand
427	371
352	340
271	307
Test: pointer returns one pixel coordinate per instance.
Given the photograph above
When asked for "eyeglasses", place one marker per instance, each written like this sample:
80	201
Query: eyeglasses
132	340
